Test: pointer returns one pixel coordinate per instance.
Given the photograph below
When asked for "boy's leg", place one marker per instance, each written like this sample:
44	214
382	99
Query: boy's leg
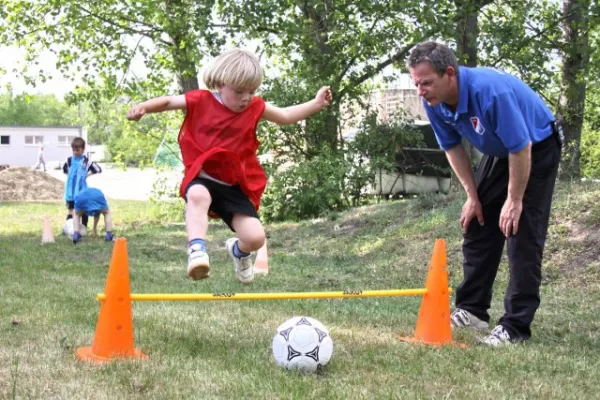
196	222
251	236
108	225
196	213
76	227
70	206
250	232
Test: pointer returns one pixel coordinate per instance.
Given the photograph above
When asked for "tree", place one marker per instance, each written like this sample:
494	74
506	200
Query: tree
344	44
36	110
576	57
467	30
97	41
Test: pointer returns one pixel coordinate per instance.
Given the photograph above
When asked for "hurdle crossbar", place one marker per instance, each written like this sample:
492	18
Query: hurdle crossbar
271	296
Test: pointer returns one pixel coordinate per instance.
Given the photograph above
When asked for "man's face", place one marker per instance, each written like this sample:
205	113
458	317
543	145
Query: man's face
236	99
435	89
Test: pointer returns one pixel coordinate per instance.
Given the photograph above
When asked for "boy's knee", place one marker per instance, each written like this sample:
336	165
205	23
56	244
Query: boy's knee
197	194
255	238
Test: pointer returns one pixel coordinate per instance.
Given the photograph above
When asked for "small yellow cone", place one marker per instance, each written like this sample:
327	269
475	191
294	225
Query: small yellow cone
261	264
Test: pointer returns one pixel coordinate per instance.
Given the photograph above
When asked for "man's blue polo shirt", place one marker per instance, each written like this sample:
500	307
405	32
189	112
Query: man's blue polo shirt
496	112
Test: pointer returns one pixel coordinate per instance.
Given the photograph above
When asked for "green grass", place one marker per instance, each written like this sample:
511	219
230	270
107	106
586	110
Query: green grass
222	350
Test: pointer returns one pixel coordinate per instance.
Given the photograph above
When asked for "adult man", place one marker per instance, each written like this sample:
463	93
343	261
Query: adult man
509	198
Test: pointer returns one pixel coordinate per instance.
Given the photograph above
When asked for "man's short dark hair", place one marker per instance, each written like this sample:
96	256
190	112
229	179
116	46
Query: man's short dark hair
78	142
438	55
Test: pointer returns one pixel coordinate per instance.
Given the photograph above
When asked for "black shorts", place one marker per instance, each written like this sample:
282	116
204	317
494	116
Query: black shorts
226	200
70	204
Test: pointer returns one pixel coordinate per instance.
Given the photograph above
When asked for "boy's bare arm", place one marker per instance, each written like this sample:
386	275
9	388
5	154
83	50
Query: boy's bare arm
289	115
158	104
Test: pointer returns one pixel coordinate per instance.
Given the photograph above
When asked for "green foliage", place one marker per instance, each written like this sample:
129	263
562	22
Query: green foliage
307	188
36	110
167	205
590	152
345	44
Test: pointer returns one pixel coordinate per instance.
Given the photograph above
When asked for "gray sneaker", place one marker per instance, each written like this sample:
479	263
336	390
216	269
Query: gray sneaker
498	338
198	263
463	319
244	268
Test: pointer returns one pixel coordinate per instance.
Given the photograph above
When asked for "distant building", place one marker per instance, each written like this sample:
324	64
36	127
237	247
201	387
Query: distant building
19	145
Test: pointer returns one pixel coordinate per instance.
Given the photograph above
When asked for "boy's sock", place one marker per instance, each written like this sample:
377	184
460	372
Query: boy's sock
84	220
237	252
198	241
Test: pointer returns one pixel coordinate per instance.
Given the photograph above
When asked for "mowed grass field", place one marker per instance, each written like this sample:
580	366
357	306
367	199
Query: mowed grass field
222	350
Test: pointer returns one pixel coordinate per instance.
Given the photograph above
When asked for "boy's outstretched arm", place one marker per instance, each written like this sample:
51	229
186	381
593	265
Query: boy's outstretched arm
289	115
158	104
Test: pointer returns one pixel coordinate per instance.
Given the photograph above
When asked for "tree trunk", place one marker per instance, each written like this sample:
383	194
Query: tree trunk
320	31
467	33
575	56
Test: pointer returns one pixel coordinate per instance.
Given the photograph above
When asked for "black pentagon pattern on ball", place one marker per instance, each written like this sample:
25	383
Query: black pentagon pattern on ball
314	354
303	321
286	333
292	353
322	335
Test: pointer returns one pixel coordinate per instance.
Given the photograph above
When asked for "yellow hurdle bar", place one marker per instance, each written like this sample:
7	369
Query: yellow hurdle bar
270	296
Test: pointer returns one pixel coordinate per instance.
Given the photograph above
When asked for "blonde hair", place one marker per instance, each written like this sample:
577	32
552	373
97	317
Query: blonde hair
237	68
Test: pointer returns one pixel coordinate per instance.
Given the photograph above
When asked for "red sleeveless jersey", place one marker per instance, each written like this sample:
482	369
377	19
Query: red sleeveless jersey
223	143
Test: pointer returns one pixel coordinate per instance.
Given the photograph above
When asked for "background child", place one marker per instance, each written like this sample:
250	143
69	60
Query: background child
78	168
91	202
223	176
41	161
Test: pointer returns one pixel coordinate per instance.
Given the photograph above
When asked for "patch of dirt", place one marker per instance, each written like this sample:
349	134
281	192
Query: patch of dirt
349	227
22	184
580	233
589	237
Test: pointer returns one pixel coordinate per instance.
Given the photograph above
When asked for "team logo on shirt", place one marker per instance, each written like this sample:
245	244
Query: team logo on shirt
477	125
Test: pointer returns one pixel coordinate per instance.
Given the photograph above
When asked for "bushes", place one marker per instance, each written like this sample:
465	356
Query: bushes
590	152
306	189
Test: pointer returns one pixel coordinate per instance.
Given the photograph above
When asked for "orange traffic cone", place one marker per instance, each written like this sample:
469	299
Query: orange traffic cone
261	264
47	236
114	331
433	324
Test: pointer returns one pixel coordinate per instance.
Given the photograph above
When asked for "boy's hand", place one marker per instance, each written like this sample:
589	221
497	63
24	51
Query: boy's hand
136	113
324	96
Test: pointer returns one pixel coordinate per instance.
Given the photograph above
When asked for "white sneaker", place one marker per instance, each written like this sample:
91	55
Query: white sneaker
498	338
244	269
463	319
198	264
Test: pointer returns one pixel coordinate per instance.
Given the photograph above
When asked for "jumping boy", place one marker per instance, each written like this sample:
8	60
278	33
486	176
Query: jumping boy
218	143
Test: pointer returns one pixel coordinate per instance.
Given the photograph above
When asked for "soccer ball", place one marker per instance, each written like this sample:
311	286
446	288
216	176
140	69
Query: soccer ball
302	343
69	229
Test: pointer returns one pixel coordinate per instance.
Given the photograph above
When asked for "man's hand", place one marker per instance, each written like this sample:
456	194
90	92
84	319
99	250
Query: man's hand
324	96
136	113
76	237
471	209
510	216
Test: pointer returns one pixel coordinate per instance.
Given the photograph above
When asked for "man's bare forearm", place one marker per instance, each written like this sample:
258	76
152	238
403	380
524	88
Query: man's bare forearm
460	163
519	166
